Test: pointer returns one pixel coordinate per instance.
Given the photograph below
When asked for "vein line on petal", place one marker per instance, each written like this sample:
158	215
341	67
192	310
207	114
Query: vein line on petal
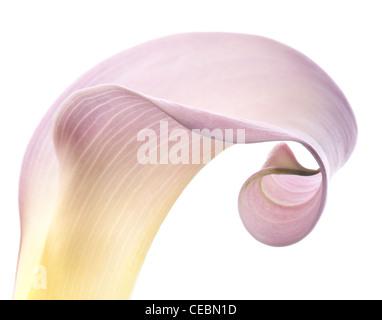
79	122
316	192
81	99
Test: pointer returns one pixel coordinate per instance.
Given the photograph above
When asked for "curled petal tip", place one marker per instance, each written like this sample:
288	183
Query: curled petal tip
280	204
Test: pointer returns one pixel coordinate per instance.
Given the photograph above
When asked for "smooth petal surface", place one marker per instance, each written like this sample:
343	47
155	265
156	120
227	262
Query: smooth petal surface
278	205
110	206
89	210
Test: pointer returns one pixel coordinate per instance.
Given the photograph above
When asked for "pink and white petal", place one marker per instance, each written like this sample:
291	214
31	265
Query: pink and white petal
109	206
196	80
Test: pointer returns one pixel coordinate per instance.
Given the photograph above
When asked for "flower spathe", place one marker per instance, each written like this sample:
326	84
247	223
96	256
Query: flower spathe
89	210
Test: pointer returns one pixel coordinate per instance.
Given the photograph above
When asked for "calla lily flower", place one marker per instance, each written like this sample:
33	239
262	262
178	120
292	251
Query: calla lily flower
117	148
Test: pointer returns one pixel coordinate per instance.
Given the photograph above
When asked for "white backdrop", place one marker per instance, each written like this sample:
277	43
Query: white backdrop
202	250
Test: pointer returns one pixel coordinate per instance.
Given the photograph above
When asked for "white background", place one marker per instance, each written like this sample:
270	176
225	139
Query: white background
202	250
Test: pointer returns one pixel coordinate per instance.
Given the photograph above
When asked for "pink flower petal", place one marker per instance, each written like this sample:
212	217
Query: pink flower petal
89	211
280	204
